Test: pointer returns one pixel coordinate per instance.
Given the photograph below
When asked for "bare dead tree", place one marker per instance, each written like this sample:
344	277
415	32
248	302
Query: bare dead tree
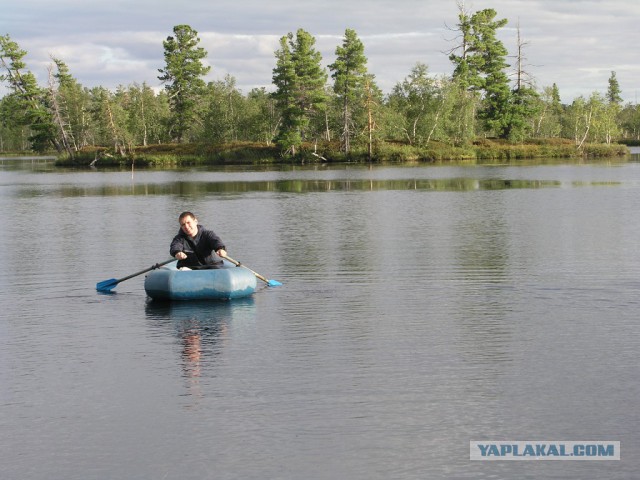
59	117
523	77
370	104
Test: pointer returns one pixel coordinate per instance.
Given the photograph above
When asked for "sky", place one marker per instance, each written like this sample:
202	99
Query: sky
575	44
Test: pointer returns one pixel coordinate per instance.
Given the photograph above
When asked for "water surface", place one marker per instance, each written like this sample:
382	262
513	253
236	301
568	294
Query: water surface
422	307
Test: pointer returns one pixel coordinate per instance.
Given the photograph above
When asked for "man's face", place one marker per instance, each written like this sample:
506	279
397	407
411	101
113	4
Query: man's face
189	225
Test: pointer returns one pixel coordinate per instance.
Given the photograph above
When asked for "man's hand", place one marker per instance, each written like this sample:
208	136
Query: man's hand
180	256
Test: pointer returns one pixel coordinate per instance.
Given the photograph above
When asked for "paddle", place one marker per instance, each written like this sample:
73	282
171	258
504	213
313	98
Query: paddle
271	283
107	285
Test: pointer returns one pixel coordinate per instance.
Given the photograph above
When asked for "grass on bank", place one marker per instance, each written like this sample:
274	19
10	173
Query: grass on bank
250	153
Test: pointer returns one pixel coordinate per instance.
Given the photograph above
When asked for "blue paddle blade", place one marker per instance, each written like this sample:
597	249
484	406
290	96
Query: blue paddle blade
106	285
274	283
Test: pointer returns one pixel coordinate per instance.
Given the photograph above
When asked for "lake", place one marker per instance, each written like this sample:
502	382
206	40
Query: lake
422	307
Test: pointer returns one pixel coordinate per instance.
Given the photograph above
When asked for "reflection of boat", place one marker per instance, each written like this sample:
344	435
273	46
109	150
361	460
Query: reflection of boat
169	283
201	312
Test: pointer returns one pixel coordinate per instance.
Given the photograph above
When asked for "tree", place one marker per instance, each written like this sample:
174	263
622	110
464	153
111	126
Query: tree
261	119
299	80
30	100
416	98
548	121
13	135
182	76
68	105
456	117
608	124
110	119
589	120
495	83
524	102
147	114
630	121
224	111
373	101
522	109
481	67
614	92
466	67
284	79
467	83
611	121
349	73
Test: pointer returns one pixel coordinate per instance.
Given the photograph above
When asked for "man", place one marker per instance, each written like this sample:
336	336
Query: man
194	246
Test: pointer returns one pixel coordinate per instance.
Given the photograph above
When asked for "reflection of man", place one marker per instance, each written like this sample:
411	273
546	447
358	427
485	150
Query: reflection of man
196	247
192	352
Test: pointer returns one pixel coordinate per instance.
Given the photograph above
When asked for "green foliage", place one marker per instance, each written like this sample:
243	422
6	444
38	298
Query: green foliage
416	100
223	112
480	67
182	76
506	151
349	74
423	119
614	92
591	120
489	56
146	114
70	100
629	119
30	100
549	111
523	107
596	150
299	80
13	137
459	112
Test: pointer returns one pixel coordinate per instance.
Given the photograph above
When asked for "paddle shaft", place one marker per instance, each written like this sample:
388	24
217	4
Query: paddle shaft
109	284
146	270
238	264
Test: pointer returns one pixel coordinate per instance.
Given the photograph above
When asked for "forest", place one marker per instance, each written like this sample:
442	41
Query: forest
484	108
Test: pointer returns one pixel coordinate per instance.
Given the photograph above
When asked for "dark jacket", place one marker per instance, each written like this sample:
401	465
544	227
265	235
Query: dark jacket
200	250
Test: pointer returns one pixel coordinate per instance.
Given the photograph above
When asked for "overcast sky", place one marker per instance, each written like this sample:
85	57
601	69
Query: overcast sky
573	43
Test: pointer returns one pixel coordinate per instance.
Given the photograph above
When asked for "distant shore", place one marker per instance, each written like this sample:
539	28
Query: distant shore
248	153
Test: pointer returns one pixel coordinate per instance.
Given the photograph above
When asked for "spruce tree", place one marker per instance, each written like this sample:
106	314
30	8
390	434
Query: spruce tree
349	73
480	67
614	92
491	56
31	102
299	80
182	76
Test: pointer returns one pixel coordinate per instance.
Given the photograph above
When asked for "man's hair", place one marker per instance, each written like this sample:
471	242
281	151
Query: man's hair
185	214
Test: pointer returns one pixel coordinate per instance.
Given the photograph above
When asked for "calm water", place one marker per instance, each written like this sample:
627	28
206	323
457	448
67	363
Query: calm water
422	307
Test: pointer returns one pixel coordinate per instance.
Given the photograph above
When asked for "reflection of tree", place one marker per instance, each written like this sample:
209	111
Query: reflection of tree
484	293
461	184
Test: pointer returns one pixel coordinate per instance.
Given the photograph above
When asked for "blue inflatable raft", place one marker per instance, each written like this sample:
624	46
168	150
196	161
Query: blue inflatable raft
169	283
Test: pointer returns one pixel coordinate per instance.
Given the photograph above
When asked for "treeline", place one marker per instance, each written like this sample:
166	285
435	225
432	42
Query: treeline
338	112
